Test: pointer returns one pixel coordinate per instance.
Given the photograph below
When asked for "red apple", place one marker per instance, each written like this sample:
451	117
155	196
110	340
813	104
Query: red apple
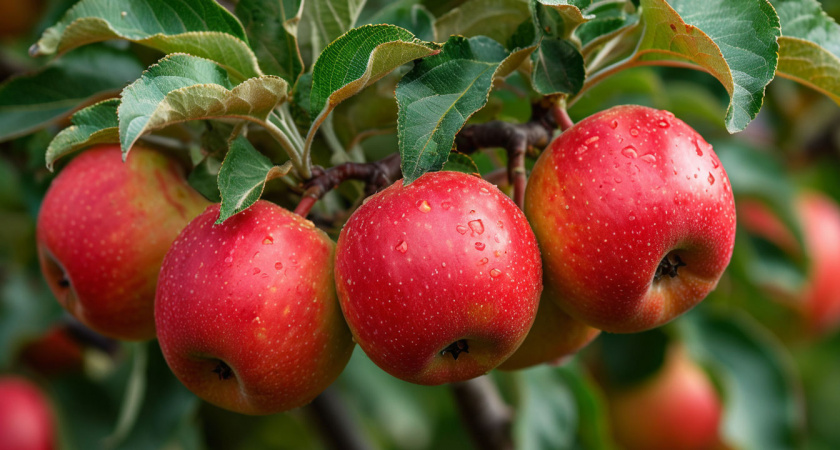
554	336
246	311
635	218
26	420
677	408
55	353
819	215
439	280
103	229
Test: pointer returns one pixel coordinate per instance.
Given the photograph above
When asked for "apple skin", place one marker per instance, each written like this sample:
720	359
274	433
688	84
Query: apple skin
103	230
26	419
257	293
677	408
819	216
554	336
445	261
610	198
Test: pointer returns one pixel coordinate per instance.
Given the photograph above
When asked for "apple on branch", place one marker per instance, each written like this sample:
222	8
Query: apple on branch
26	418
634	216
103	230
439	280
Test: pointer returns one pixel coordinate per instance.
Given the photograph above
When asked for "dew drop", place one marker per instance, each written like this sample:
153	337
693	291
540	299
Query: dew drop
479	246
614	124
715	162
461	229
617	179
424	206
649	158
477	226
663	124
256	270
446	205
632	217
483	261
634	132
581	150
402	247
229	260
496	238
278	265
711	178
268	240
255	255
264	275
495	273
501	225
630	152
697	147
591	140
484	191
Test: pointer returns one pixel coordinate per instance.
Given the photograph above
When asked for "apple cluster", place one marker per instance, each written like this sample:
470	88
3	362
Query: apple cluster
629	221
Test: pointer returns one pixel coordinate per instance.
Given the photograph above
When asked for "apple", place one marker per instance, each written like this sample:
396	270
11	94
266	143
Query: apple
634	216
246	311
819	216
677	408
26	420
103	229
554	337
18	17
439	280
56	352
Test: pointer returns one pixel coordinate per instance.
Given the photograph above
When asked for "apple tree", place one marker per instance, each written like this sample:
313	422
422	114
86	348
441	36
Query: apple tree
537	224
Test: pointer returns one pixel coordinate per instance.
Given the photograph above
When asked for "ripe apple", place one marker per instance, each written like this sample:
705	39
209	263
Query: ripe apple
635	218
677	408
819	215
439	280
26	420
103	229
56	352
246	311
554	336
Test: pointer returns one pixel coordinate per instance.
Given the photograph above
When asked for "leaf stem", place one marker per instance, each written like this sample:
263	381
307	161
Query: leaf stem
310	136
133	400
294	155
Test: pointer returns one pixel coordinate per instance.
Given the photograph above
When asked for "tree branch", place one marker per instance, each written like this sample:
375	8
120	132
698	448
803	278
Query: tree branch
487	417
334	422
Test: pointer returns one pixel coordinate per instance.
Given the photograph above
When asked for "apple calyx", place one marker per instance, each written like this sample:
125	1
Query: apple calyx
668	267
456	348
223	370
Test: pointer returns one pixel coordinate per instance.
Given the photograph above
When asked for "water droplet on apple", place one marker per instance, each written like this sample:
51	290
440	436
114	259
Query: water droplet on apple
268	240
256	270
446	205
424	206
402	247
632	217
461	229
229	260
697	147
483	261
484	191
630	152
500	224
711	178
614	124
278	265
477	226
581	150
479	245
663	124
634	132
617	179
715	162
495	273
255	255
649	158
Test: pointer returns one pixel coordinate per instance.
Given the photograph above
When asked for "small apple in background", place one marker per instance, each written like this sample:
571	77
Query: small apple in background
635	218
19	16
819	216
439	280
246	311
55	353
554	337
677	408
103	229
26	419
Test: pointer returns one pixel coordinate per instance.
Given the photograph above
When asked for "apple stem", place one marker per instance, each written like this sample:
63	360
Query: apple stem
561	116
484	413
335	423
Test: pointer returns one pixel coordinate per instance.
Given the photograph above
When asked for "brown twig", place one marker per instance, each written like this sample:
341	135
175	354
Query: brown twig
335	423
487	417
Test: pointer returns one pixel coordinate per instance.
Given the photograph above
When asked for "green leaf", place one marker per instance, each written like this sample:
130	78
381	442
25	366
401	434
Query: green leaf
604	19
440	93
560	18
243	176
204	178
181	87
407	14
30	102
96	124
496	19
461	162
557	67
198	27
272	28
762	407
558	408
809	49
324	21
737	45
358	59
